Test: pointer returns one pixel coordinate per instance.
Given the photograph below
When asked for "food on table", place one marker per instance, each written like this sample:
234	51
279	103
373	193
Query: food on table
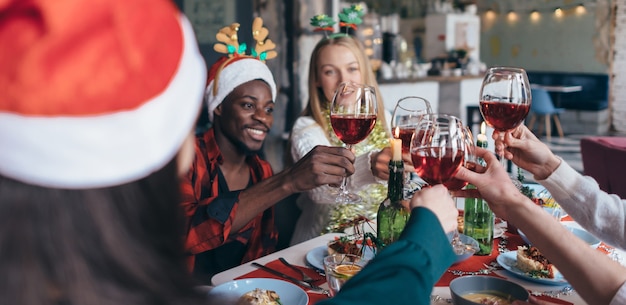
259	297
489	298
349	245
531	261
460	223
347	270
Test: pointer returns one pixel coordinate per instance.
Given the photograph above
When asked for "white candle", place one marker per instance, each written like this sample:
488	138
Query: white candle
481	139
396	149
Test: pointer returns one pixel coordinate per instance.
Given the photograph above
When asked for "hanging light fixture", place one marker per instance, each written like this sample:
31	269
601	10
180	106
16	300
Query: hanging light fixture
558	12
535	16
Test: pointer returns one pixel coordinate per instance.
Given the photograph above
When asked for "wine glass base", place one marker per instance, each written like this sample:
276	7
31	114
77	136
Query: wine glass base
348	198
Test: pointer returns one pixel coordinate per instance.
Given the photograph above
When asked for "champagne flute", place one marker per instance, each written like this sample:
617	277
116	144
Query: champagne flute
438	151
505	99
352	116
406	115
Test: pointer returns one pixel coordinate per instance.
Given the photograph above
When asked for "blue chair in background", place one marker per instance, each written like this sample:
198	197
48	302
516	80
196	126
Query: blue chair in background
542	106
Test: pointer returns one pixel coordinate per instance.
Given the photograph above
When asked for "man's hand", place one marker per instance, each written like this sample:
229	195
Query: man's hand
322	165
438	200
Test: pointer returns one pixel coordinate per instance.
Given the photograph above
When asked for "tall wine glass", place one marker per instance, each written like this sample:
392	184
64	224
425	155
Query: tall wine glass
505	98
437	148
406	115
352	116
455	184
438	151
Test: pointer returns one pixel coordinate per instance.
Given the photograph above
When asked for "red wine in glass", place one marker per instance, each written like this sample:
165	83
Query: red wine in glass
455	184
503	116
352	129
436	167
505	99
353	112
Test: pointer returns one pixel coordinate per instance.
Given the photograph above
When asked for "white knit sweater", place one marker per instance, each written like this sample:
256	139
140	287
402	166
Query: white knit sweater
602	214
316	204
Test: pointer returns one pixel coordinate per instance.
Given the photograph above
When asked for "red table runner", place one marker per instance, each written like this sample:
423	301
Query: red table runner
473	264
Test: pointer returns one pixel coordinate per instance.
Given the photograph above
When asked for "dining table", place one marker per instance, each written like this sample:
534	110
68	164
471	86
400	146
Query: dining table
558	90
475	265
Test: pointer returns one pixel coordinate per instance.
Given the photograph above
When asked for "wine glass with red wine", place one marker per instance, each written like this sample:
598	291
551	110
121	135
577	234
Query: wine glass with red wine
438	151
438	148
352	116
406	115
505	98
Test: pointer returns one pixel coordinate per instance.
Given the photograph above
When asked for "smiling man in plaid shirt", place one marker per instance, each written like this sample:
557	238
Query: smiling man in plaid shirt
229	193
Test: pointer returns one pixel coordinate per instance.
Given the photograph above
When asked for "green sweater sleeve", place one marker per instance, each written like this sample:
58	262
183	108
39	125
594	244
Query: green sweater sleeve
405	271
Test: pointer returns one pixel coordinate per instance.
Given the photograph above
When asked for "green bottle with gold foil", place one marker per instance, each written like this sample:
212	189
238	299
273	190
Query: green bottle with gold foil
478	218
392	216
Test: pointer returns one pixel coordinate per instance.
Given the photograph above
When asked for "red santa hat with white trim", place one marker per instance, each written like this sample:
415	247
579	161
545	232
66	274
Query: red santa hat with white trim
95	94
238	68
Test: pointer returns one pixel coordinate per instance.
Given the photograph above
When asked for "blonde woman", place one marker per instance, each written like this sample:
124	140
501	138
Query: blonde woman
338	59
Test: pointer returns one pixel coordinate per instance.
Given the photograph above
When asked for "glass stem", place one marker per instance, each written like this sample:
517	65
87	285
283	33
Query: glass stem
344	181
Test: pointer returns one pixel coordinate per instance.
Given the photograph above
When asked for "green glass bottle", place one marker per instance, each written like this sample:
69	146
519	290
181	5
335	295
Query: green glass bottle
392	216
478	218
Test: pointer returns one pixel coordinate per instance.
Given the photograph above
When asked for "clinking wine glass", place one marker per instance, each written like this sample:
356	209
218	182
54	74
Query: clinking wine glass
454	184
437	152
505	99
352	116
469	160
406	115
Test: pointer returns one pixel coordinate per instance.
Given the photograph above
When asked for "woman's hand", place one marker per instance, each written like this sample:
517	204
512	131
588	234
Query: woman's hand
380	163
522	147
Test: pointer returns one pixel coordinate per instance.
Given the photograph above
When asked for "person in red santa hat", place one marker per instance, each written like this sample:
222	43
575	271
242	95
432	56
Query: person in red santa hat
97	108
229	192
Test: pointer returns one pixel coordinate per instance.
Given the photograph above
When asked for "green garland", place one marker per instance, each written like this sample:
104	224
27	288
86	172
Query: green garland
373	194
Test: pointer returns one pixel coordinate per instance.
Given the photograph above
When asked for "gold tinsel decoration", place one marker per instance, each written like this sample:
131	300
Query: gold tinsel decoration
372	194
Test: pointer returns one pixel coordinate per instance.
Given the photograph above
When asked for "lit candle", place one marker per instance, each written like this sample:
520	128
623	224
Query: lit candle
396	149
481	139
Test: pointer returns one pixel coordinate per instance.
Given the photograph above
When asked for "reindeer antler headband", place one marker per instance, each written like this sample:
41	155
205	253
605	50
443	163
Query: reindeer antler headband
237	67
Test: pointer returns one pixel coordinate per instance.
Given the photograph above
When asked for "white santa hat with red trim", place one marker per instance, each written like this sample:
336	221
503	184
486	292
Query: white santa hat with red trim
95	94
228	73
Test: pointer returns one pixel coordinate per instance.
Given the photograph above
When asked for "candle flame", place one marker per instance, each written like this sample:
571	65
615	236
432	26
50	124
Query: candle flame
482	127
396	132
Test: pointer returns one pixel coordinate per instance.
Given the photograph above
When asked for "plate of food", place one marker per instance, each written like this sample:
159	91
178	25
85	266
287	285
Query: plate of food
529	264
258	291
315	257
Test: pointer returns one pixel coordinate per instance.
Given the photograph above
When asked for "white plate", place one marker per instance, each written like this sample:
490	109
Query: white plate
508	261
229	292
315	257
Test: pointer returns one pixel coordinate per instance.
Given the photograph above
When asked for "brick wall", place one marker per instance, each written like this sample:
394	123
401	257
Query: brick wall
618	82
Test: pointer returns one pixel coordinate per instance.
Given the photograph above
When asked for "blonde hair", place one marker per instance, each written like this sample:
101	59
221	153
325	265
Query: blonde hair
316	96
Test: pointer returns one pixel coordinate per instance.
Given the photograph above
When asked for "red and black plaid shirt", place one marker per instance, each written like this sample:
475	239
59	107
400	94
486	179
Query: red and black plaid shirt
210	213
